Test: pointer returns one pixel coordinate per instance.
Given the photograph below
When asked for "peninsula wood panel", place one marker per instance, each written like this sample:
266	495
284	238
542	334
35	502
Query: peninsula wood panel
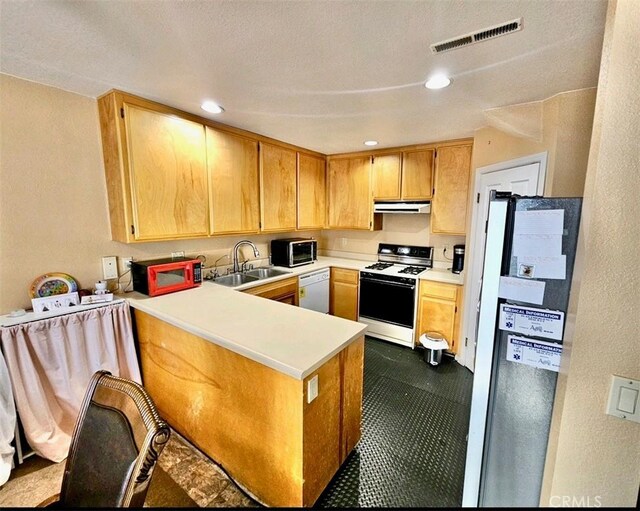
278	188
312	192
234	183
343	296
167	161
265	434
386	171
417	174
281	291
352	362
350	199
449	206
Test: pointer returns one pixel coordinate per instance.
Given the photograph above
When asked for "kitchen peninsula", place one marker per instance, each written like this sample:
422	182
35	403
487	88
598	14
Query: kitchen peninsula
236	374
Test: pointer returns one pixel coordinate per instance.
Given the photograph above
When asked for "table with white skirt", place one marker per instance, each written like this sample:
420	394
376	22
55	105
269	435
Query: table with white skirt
46	368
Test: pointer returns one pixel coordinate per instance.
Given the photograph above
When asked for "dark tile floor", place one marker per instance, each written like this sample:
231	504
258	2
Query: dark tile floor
413	445
411	453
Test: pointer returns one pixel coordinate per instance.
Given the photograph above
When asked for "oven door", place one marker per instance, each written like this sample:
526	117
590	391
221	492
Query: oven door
390	302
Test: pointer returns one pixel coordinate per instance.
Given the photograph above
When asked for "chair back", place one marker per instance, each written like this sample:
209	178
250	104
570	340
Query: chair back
116	441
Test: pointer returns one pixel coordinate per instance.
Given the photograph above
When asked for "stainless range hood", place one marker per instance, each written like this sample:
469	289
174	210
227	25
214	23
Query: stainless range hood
402	207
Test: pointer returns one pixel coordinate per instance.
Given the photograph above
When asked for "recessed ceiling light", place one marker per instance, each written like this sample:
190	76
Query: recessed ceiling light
211	107
370	142
437	82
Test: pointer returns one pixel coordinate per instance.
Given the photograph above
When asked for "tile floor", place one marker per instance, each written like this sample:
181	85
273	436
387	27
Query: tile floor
411	454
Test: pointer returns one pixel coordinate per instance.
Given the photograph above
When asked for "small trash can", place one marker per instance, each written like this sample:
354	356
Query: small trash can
434	343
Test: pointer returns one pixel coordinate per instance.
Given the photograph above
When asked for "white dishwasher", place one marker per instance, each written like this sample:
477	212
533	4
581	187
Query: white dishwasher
314	291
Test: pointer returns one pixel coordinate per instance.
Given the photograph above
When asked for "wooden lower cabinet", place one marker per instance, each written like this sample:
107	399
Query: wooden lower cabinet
253	420
343	301
285	291
439	310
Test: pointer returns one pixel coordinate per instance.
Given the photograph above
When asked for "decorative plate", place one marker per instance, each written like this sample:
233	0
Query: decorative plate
51	284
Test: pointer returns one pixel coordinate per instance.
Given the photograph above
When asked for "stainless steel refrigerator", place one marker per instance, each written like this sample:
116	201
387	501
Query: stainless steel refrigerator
529	256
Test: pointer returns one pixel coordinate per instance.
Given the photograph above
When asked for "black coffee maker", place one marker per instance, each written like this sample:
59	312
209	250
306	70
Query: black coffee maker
458	259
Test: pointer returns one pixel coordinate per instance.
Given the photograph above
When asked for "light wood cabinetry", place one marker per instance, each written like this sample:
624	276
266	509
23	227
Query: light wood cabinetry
343	301
449	206
312	191
253	420
234	182
386	170
350	194
277	188
417	174
285	291
439	310
403	176
156	172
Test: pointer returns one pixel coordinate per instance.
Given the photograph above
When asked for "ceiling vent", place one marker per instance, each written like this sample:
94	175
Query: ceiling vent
478	36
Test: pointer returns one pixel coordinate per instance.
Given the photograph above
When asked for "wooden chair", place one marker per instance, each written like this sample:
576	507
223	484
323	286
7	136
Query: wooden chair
116	441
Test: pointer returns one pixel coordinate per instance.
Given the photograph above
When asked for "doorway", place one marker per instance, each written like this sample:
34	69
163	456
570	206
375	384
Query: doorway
523	176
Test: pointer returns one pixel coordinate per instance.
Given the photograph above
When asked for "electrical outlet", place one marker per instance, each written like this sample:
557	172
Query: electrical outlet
312	389
343	242
177	254
125	264
109	267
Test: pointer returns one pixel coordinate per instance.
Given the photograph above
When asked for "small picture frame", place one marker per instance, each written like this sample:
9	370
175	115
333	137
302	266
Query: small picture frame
55	302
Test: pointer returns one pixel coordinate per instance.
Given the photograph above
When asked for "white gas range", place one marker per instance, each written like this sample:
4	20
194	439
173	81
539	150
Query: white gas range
388	291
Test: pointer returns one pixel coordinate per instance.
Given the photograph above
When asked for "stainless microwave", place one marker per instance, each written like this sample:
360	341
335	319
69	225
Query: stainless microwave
293	251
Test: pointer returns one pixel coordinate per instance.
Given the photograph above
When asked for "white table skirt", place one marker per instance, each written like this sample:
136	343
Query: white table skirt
50	363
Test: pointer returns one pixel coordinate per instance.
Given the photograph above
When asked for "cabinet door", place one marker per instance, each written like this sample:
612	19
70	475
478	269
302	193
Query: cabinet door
449	206
233	175
312	192
350	200
167	159
343	300
438	315
385	170
278	188
417	174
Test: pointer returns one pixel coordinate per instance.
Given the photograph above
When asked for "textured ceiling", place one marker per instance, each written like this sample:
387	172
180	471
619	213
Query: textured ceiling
325	75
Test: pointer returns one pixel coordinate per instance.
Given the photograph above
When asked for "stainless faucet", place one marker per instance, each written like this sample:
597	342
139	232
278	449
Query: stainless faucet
236	266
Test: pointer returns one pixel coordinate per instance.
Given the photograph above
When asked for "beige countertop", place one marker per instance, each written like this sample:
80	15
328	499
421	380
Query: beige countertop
288	339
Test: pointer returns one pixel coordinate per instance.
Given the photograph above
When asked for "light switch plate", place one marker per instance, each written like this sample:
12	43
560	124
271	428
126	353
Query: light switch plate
109	267
624	399
312	389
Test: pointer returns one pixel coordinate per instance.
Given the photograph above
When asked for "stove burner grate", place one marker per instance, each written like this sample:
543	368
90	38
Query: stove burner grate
379	266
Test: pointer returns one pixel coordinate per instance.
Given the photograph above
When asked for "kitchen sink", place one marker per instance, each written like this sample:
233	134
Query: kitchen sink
235	279
265	273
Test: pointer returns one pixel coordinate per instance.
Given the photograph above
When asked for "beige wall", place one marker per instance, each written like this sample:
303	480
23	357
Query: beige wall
53	199
412	229
566	132
594	458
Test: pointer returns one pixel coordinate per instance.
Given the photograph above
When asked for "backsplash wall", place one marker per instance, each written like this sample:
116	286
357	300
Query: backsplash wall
407	229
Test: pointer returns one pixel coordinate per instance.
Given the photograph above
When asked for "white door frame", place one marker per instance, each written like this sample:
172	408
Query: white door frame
471	280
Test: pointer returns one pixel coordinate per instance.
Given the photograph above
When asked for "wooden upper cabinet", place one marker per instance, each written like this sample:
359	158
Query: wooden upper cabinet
350	194
234	182
417	174
156	172
277	188
385	169
312	192
449	206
